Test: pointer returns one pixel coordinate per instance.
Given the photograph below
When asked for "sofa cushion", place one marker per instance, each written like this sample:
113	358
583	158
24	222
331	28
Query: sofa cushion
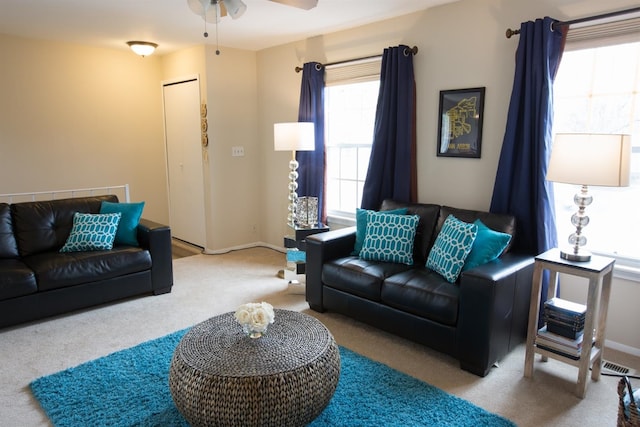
92	232
389	237
498	222
16	279
424	293
361	226
128	225
451	248
428	214
60	269
487	246
44	226
8	246
359	277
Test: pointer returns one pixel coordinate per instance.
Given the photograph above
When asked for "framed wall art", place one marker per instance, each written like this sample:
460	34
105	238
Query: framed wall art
460	122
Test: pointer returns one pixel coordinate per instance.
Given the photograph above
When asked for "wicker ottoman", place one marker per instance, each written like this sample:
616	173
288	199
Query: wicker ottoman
221	377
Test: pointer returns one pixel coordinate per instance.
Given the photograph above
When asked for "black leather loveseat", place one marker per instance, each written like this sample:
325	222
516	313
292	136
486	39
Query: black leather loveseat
477	319
37	280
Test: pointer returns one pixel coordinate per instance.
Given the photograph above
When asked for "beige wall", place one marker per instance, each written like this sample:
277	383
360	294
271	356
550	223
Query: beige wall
74	116
236	199
228	86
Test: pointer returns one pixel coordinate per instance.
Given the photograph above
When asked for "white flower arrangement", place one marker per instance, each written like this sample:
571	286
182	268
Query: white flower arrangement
255	316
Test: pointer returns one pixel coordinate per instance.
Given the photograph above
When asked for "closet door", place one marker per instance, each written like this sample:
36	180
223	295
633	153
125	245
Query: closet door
184	161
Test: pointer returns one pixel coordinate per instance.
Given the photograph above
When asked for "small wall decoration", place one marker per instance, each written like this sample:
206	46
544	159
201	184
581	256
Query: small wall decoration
460	122
204	126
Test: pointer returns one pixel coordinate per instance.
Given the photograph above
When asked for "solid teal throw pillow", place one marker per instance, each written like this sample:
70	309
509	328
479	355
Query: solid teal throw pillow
488	246
127	233
361	225
451	248
92	232
389	237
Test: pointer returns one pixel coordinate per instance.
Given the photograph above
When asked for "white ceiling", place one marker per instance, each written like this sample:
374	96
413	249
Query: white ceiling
172	25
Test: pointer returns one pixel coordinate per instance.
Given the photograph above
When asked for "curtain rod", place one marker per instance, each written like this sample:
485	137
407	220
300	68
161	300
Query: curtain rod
511	32
407	51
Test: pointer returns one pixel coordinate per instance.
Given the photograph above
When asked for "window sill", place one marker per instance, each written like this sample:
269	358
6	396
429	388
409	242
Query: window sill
338	221
627	273
625	268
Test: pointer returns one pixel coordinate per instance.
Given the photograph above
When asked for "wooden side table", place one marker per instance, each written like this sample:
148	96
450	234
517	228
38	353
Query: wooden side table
599	271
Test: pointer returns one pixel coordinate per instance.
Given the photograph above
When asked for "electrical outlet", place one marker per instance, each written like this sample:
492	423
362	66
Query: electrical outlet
237	151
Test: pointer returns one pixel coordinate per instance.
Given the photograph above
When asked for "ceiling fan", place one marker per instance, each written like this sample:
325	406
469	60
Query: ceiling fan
213	10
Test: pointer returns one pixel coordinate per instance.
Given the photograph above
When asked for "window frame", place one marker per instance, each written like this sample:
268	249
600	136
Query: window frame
593	36
346	73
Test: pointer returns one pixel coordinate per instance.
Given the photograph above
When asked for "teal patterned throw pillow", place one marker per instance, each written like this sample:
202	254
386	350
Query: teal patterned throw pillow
451	248
361	225
389	237
92	232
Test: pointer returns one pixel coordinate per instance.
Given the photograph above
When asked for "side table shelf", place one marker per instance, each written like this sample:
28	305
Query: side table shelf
298	241
599	271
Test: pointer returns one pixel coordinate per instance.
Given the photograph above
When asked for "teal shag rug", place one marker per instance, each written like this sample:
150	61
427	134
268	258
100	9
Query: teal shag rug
130	388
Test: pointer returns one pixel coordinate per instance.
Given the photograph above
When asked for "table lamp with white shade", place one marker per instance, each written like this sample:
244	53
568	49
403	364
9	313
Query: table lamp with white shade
294	136
588	159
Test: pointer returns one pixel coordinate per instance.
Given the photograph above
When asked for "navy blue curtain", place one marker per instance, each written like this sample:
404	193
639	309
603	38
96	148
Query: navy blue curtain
392	166
311	180
521	188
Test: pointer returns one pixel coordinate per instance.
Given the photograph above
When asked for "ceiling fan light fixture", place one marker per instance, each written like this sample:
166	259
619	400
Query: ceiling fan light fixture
142	48
235	8
206	9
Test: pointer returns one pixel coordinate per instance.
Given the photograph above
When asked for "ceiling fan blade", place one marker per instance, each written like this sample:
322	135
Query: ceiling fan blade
300	4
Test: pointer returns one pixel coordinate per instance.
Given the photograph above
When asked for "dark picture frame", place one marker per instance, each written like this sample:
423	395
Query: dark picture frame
460	122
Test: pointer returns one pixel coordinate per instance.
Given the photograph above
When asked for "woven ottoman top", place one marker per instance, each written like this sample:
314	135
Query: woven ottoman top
218	346
220	376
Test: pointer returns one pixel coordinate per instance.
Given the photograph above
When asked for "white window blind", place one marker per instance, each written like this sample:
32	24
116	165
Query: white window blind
362	70
621	29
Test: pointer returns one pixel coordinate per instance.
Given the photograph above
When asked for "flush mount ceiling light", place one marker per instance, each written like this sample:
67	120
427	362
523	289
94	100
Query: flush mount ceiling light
142	48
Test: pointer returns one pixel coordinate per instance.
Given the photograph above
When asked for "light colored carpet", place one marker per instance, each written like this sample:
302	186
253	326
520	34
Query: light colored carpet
207	285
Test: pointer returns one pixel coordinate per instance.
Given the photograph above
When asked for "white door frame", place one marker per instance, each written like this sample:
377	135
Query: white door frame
198	238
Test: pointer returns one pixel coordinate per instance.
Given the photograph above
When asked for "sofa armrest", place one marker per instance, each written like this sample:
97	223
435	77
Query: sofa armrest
321	248
493	311
156	238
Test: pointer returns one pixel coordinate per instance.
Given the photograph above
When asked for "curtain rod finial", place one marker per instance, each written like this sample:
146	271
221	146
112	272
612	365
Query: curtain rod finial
410	50
298	69
511	32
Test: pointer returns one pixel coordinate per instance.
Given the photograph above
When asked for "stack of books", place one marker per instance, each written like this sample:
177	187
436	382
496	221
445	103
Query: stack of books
564	328
564	317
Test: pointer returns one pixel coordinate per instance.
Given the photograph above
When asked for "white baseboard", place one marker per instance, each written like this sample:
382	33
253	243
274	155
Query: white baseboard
622	347
208	251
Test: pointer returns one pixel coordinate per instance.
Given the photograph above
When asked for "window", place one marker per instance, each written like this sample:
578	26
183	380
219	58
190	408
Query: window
597	90
351	96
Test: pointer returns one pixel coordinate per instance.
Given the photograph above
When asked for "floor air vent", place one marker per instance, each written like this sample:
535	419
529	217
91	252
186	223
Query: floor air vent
610	368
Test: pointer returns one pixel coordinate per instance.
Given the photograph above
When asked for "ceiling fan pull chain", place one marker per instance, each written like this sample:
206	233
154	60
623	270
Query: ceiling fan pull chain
217	45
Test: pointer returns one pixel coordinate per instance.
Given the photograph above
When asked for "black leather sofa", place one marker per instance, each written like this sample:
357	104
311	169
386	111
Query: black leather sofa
37	281
478	319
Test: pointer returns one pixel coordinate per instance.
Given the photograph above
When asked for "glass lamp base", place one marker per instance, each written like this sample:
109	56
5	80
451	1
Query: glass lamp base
571	255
